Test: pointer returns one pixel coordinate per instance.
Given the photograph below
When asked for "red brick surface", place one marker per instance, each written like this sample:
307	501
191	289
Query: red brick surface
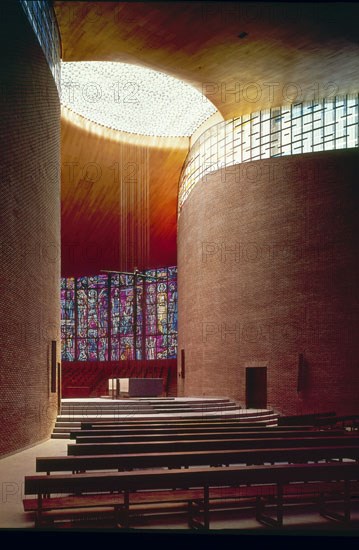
268	268
29	234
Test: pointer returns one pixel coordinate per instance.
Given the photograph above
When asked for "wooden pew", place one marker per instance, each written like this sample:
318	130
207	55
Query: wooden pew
202	487
207	444
303	418
119	438
351	421
76	464
162	428
122	425
190	429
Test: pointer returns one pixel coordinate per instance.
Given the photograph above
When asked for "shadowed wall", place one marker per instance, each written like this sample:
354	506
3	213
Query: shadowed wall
119	199
30	235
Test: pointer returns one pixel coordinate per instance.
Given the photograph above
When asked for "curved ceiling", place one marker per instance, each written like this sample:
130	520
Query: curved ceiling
243	56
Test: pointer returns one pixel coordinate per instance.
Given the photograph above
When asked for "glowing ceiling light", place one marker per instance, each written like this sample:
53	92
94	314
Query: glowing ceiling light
133	99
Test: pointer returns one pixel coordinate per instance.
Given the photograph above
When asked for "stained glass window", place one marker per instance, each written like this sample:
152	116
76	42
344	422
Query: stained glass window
92	318
117	317
68	319
157	314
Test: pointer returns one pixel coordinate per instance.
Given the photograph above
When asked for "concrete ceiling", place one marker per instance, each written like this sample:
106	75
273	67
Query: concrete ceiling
313	47
290	52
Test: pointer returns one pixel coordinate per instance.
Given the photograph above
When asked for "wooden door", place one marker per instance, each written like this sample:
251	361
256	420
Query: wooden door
256	387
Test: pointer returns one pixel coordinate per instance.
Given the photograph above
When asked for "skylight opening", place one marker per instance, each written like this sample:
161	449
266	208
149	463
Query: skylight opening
133	99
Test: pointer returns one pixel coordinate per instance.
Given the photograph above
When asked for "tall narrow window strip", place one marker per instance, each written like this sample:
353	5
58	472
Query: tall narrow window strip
299	128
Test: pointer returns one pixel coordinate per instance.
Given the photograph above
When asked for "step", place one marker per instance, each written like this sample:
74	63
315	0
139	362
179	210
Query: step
141	400
168	406
60	424
158	417
64	435
77	428
100	410
125	406
67	423
74	424
144	405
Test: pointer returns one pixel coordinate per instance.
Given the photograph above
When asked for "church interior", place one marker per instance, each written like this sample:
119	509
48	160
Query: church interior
179	267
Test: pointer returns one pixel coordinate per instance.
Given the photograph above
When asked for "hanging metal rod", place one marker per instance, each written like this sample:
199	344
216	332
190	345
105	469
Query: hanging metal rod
136	273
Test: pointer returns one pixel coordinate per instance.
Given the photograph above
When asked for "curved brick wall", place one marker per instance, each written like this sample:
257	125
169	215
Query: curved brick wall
268	266
29	235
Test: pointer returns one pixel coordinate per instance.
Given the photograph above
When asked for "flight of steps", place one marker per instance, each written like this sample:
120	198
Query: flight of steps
75	411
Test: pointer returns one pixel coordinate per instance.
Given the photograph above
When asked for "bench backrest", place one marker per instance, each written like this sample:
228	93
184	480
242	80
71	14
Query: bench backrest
298	419
207	444
96	437
193	477
330	421
164	428
178	459
174	422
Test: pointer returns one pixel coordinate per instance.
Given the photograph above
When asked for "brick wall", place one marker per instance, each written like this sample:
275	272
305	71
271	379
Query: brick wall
268	268
29	235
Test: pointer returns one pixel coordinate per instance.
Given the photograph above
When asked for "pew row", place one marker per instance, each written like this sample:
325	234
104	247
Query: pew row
199	489
160	428
304	418
94	437
80	464
198	421
207	444
349	421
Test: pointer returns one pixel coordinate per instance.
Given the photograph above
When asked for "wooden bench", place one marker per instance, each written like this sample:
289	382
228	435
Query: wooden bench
186	429
303	418
77	464
350	421
171	422
199	487
183	427
118	429
95	437
206	444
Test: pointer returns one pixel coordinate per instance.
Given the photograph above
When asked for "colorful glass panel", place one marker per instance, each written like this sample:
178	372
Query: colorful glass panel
105	317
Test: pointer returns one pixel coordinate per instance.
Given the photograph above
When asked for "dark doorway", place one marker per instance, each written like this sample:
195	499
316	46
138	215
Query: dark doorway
256	387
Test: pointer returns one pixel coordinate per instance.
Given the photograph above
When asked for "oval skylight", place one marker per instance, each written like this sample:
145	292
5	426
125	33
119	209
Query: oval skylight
133	99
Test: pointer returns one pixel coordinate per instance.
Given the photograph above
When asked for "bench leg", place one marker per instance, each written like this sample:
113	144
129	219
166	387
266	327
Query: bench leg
345	517
347	501
190	514
194	509
206	507
260	509
280	509
38	516
122	513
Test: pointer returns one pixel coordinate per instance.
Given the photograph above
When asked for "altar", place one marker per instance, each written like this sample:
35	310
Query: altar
135	387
